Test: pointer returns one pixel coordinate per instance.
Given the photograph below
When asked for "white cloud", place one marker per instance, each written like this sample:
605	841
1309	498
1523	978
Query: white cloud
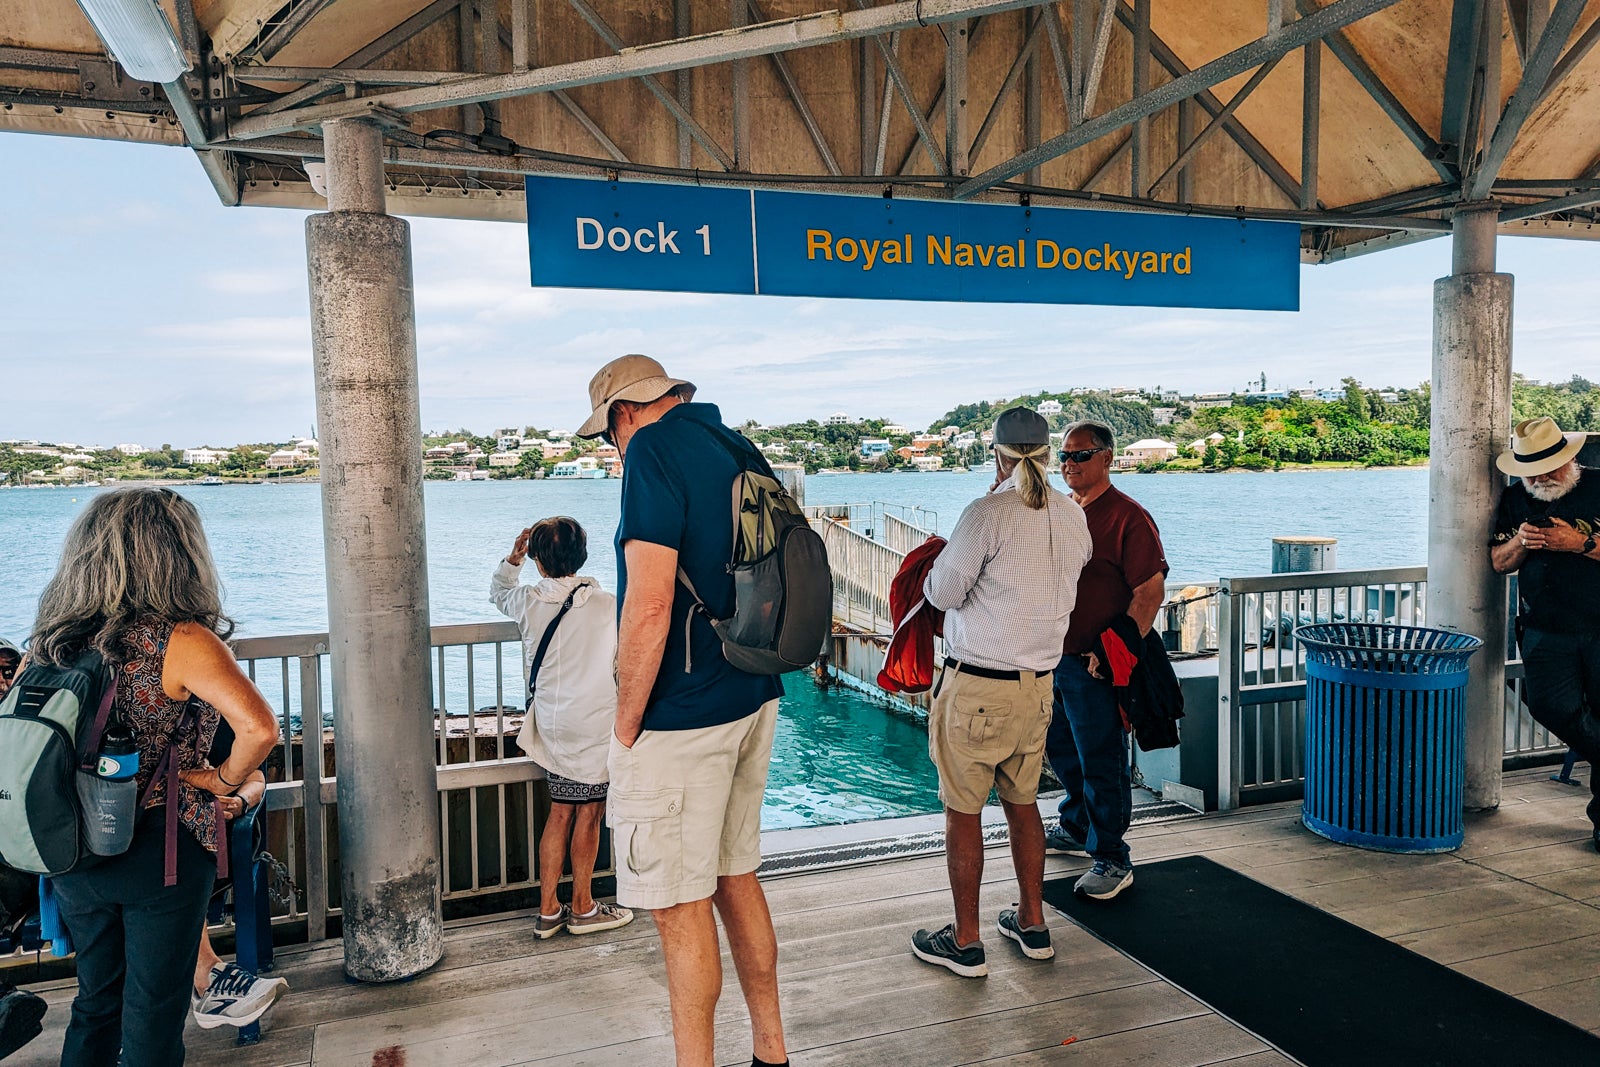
219	347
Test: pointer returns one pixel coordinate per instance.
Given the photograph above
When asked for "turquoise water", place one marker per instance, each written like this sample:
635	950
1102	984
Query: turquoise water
837	756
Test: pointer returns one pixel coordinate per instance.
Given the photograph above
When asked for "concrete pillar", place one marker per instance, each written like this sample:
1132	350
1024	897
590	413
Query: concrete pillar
365	354
1470	425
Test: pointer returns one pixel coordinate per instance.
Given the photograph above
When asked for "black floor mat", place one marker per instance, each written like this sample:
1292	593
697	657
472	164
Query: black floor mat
1321	989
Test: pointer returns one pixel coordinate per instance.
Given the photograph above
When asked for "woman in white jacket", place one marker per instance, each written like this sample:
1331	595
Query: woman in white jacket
569	651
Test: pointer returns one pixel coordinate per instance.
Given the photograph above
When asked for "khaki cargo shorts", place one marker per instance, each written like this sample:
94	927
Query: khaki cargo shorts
685	808
988	733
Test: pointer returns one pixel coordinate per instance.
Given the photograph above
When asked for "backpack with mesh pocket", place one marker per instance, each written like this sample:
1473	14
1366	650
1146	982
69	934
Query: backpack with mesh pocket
50	727
783	589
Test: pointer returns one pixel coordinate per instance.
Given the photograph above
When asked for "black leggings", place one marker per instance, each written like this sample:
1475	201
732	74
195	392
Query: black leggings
136	941
1562	689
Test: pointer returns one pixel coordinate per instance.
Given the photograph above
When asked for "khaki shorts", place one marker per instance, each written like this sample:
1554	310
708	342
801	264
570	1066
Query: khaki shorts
685	808
986	733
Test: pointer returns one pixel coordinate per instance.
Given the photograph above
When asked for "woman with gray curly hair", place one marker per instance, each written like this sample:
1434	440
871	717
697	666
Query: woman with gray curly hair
136	583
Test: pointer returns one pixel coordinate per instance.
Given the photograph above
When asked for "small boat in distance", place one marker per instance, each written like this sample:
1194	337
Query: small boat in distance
210	479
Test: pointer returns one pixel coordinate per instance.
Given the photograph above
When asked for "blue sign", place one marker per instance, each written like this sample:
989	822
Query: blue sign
610	235
593	234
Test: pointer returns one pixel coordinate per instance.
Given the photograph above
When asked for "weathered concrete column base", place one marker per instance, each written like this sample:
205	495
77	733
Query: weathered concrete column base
1470	426
364	347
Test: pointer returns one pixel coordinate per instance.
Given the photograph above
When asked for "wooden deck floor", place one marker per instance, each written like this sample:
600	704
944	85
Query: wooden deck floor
1517	907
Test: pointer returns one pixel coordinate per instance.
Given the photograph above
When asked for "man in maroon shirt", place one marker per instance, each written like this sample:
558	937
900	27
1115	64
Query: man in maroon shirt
1087	745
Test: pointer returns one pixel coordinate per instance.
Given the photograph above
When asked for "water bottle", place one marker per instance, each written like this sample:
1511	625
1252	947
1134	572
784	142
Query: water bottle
109	795
119	755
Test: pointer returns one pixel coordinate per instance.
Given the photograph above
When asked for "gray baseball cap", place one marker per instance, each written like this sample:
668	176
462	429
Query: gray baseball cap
1021	427
7	646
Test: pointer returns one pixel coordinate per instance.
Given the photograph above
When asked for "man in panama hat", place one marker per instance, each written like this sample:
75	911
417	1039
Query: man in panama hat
1545	530
693	733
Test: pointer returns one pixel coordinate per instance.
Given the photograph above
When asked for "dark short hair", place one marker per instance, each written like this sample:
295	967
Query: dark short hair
560	545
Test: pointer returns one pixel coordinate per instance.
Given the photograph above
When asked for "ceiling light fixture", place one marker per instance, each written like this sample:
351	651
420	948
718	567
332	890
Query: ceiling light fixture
139	36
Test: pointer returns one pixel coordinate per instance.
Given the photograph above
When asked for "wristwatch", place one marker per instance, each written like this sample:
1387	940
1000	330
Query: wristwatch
1588	544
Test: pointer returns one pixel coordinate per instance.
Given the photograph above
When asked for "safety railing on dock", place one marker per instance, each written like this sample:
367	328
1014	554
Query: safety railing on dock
490	807
866	544
1262	685
862	572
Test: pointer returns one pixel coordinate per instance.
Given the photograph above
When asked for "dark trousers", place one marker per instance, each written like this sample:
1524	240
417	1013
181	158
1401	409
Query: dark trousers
1562	689
136	941
1088	751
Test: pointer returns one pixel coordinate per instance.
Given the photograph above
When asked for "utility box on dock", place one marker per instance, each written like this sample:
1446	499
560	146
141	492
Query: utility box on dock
793	477
1296	555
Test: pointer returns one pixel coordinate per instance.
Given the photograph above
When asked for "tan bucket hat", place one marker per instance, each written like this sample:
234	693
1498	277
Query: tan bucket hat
1538	447
631	377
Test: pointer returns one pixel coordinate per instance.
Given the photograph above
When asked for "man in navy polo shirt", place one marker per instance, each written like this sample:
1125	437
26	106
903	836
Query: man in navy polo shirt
693	733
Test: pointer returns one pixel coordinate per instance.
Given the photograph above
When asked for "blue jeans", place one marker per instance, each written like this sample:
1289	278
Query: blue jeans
1088	751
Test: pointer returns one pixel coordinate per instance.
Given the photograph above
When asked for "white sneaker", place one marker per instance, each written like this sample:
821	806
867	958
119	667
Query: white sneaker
235	997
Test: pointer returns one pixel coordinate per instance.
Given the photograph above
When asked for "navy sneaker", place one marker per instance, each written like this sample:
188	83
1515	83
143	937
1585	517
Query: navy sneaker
1057	839
1033	940
1104	881
940	949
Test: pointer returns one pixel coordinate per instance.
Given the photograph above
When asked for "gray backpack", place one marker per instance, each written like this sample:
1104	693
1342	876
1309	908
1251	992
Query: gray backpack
783	588
50	727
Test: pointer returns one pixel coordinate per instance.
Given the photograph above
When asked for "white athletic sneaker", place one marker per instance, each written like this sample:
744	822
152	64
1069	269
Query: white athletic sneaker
235	997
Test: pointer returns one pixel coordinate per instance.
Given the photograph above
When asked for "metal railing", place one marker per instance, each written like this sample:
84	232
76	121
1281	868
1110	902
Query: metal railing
862	572
903	536
490	811
866	544
1262	686
870	517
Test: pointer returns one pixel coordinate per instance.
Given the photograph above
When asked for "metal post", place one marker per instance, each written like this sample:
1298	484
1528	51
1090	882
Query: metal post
1031	101
956	138
1140	144
741	94
364	349
867	105
683	82
1185	136
1471	424
1310	125
521	34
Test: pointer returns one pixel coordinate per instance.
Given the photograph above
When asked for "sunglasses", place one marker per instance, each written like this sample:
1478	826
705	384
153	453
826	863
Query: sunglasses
1082	455
8	671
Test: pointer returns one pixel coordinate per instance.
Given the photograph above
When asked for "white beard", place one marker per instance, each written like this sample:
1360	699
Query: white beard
1554	490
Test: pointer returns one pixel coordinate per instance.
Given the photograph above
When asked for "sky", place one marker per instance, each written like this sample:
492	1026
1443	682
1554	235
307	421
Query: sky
136	308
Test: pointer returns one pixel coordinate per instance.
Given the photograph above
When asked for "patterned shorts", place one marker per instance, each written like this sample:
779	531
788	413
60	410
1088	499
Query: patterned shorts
567	791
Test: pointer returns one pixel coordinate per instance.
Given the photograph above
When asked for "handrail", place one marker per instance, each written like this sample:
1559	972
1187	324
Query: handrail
489	812
1261	683
1274	583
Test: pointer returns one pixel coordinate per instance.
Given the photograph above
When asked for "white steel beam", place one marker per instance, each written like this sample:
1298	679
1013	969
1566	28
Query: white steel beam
1218	121
763	39
1296	35
1542	59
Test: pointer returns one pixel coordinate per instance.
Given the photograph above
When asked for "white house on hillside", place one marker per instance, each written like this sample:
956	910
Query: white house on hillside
1149	450
1047	408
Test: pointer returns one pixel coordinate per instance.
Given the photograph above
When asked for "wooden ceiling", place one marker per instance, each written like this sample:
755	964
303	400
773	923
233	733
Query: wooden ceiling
1411	106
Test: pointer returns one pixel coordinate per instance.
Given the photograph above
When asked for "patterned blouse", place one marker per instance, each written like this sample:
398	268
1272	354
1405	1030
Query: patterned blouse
145	706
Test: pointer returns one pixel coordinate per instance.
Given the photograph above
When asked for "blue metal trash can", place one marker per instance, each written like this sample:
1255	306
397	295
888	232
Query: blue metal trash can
1385	727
